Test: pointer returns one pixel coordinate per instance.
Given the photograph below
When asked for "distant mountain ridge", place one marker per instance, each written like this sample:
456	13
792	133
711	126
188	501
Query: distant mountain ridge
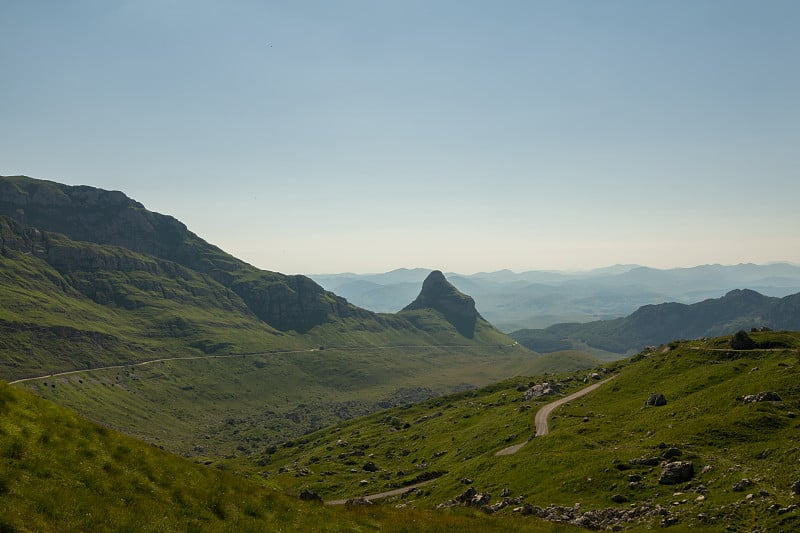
658	324
537	299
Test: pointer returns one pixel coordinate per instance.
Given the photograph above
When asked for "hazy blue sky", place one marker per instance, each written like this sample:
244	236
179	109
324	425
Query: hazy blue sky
462	135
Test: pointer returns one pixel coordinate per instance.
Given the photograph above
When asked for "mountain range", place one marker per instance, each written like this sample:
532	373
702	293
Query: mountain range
661	323
99	296
121	282
537	299
276	388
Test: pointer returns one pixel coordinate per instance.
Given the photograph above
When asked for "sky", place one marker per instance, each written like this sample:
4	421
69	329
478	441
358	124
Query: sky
364	136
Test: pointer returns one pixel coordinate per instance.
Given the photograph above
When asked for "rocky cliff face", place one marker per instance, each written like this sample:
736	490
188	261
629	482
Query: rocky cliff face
293	302
111	218
439	295
105	217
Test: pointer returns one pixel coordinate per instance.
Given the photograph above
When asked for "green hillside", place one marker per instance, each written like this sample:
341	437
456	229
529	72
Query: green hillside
130	319
88	214
71	306
601	461
68	305
59	472
91	279
605	450
657	324
222	406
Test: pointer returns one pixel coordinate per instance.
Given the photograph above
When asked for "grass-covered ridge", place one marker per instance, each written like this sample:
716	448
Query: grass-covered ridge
223	406
588	455
76	299
240	352
68	305
88	214
59	472
657	324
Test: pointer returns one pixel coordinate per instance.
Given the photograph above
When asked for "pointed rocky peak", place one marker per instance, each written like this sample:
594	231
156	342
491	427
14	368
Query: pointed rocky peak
440	295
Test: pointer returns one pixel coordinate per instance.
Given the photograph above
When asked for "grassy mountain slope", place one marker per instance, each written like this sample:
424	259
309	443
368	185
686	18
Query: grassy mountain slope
139	324
223	406
93	278
59	472
68	305
589	456
110	218
657	324
74	305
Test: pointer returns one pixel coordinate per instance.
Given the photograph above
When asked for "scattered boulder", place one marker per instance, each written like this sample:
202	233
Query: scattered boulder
467	495
358	501
742	341
767	396
656	399
619	498
613	519
479	500
469	498
502	504
669	453
669	520
369	466
676	472
308	495
740	486
796	487
646	461
541	389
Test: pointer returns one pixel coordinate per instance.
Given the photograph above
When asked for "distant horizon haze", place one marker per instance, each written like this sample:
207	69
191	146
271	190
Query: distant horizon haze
468	136
547	270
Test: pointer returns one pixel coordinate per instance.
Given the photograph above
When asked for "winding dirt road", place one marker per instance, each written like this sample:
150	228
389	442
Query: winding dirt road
541	430
370	497
237	355
151	361
543	414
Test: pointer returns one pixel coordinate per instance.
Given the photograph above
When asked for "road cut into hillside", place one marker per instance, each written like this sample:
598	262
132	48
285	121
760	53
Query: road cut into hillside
543	414
378	496
226	356
541	430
